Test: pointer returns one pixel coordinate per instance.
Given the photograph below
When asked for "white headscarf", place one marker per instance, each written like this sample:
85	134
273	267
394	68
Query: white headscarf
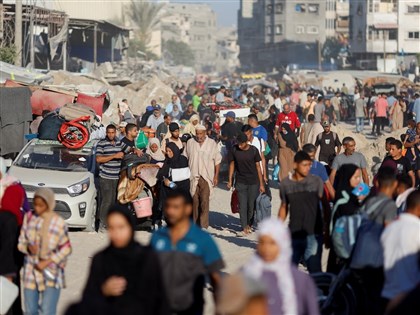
255	267
158	155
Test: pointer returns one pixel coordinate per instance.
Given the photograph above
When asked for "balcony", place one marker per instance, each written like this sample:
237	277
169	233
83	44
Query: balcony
377	46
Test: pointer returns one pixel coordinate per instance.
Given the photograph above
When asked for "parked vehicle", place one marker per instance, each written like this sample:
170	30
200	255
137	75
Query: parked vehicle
69	173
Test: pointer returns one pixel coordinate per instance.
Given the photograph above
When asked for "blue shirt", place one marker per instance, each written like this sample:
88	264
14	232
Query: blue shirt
319	170
416	109
260	133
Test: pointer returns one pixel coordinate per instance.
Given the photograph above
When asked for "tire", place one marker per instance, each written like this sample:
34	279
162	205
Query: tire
91	221
344	301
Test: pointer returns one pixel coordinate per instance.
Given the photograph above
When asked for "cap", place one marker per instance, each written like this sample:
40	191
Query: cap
325	123
242	138
230	114
123	124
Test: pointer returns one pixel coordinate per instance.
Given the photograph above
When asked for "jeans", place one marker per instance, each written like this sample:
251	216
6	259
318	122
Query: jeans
310	249
247	195
43	303
108	196
360	123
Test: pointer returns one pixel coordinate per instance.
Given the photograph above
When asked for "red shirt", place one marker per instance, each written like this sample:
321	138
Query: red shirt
381	106
12	201
290	118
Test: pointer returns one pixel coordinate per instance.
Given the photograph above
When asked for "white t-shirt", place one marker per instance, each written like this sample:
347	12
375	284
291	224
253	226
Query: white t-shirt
401	243
260	145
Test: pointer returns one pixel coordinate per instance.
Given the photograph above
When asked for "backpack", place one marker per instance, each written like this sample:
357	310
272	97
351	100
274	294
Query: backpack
319	137
73	134
142	141
50	126
345	231
73	111
263	207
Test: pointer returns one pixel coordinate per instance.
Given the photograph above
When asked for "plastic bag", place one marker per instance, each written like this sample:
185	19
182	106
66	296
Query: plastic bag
142	141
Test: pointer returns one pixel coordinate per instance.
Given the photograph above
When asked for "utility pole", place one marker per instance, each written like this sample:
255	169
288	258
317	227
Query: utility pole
32	40
18	32
95	46
319	55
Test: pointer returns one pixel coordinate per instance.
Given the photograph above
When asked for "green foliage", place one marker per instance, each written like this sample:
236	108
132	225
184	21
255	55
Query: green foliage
331	48
181	52
135	45
8	54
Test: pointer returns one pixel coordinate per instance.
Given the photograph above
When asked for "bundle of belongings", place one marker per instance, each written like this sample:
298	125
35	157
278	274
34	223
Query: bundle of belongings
134	188
73	125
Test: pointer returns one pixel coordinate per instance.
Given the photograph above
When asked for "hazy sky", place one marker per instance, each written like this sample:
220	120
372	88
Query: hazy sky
226	10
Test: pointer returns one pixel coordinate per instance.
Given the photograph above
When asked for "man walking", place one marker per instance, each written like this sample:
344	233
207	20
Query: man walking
108	156
230	130
204	160
328	141
349	156
187	254
381	107
288	117
300	196
155	120
163	128
402	163
361	113
319	110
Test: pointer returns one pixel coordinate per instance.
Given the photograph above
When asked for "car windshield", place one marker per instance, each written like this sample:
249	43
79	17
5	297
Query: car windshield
54	156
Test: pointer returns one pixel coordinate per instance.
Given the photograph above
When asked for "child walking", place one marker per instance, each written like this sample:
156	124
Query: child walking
44	241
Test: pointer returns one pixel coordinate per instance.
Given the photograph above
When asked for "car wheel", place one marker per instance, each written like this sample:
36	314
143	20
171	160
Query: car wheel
91	222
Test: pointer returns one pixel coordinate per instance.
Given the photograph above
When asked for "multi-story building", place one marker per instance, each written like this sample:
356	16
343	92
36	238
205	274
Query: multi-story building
381	30
287	31
194	24
227	50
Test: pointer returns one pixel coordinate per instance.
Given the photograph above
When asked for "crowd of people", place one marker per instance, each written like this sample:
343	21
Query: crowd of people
323	181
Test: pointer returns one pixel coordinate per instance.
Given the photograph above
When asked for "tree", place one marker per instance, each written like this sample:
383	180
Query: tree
331	48
181	52
146	16
8	54
135	46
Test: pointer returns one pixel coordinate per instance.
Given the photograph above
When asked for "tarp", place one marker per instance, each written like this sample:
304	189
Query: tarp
44	99
12	72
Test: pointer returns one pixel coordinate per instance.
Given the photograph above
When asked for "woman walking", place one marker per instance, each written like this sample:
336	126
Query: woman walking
289	290
397	114
125	278
155	151
288	148
44	241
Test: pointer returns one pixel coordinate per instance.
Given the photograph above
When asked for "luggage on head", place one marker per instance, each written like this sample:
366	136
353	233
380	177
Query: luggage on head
50	126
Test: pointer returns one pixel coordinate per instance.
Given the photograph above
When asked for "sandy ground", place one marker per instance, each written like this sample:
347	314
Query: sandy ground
224	226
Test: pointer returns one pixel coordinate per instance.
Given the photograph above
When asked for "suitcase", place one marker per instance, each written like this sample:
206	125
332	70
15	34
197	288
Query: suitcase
50	126
73	111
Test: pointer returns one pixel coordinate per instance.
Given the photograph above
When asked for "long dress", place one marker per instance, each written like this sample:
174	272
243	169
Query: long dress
286	156
398	116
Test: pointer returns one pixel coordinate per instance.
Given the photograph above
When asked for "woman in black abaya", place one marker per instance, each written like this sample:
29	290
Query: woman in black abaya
125	278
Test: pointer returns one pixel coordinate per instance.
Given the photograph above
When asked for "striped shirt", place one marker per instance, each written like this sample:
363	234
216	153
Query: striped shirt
110	169
59	248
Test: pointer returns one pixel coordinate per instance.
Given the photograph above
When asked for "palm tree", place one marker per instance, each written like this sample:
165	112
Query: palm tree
145	15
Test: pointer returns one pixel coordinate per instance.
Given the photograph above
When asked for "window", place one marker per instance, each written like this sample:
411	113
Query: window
279	8
312	30
269	9
313	8
413	9
413	35
392	34
300	29
269	29
279	29
300	7
370	5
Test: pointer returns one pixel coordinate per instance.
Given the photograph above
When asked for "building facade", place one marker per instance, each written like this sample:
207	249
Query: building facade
383	31
195	25
227	58
289	31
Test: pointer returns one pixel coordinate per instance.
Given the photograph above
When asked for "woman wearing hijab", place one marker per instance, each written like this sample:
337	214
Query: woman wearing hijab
190	127
288	148
175	170
45	243
155	151
125	278
176	113
349	176
289	290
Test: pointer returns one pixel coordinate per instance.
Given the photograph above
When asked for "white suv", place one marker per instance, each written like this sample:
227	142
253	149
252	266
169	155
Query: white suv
69	173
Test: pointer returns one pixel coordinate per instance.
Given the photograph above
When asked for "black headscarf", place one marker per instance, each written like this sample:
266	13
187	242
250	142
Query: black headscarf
344	174
178	160
290	138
